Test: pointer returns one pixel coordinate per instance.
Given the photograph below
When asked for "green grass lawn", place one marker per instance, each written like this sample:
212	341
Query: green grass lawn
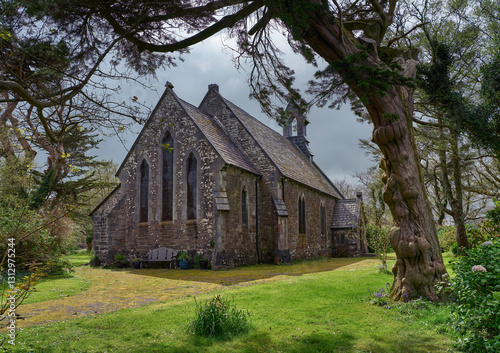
55	287
79	258
314	312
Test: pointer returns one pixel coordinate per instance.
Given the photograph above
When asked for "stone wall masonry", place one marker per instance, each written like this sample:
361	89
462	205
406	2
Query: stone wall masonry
313	244
239	240
100	218
126	235
213	104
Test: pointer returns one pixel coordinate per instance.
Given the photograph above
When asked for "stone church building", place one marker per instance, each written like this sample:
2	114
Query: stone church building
214	180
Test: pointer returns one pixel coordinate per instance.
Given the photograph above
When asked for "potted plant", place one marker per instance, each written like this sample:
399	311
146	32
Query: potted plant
184	258
136	262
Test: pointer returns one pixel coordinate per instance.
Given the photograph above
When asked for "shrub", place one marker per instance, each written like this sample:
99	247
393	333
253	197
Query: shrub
454	248
219	318
478	234
95	261
58	266
379	241
121	261
475	312
447	237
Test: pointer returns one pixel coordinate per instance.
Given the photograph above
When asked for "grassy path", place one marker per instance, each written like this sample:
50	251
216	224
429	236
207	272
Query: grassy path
112	290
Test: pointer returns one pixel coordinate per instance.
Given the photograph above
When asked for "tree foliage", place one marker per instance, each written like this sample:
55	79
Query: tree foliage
481	121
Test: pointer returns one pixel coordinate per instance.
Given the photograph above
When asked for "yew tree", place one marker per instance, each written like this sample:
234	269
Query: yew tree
365	56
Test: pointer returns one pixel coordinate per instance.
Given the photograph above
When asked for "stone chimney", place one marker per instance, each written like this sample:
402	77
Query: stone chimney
213	87
295	130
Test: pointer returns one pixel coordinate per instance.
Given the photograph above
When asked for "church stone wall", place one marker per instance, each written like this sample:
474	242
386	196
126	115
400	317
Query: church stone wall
313	244
268	187
238	246
129	237
101	225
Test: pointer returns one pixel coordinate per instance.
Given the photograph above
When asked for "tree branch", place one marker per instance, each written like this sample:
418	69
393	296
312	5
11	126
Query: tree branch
226	22
405	34
380	11
210	7
427	123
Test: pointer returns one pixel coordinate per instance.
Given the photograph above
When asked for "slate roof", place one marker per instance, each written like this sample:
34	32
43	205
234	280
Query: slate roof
346	214
288	159
219	139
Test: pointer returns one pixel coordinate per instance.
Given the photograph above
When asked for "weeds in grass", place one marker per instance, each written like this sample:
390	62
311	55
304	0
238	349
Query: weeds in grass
381	298
409	310
219	318
412	309
383	269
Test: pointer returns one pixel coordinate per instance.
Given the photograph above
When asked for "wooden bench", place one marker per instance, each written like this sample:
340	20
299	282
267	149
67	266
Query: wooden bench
162	254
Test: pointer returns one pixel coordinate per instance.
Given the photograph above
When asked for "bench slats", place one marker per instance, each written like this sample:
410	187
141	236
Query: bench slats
162	254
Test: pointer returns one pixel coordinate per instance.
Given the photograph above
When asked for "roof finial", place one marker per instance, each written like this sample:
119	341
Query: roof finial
169	85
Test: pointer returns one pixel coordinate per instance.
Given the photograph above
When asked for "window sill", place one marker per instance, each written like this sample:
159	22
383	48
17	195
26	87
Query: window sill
143	224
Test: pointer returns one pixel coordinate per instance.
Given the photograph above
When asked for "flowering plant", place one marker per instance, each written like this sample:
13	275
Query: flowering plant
381	298
475	311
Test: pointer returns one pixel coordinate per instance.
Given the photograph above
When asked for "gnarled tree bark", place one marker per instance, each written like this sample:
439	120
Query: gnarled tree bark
419	265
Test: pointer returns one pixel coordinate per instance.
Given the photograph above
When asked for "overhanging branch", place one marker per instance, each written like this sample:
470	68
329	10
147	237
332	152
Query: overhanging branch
226	22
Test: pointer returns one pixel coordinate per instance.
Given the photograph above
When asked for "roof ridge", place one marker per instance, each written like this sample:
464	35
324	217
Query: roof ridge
228	103
217	121
325	185
186	105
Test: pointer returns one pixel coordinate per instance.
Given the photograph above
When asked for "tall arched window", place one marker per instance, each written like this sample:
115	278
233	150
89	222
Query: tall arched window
244	207
191	173
302	215
144	191
167	146
323	219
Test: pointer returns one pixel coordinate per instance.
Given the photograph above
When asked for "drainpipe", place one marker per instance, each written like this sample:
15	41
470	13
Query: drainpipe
257	218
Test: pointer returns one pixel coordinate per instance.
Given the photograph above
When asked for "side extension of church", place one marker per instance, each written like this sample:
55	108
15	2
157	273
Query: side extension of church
214	180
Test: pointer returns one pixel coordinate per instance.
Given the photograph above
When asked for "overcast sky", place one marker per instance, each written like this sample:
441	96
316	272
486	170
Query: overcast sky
333	134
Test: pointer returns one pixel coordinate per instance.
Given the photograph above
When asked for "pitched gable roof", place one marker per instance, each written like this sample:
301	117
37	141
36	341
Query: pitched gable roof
213	131
346	213
288	159
219	139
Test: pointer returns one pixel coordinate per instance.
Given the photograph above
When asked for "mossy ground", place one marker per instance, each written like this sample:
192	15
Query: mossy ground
320	306
116	289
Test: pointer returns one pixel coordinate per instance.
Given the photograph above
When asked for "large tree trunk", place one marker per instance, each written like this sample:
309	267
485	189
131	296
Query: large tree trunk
419	265
454	193
457	202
